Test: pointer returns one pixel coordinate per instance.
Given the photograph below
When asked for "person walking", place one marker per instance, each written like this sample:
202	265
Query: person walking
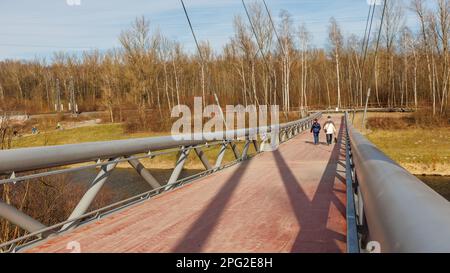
329	129
315	129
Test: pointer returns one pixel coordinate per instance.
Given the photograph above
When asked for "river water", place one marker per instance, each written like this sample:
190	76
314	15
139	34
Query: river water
126	182
441	184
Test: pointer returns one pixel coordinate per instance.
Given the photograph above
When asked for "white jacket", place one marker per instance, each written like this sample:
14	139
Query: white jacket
329	128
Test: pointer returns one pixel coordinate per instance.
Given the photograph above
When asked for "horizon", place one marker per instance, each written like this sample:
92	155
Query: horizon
39	29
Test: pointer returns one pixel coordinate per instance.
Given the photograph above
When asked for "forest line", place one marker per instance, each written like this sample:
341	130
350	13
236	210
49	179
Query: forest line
258	65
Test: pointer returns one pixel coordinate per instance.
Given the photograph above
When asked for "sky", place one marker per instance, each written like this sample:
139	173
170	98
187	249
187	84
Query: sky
38	28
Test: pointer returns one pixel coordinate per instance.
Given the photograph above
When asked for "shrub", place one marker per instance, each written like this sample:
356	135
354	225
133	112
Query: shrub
147	121
49	200
388	123
422	118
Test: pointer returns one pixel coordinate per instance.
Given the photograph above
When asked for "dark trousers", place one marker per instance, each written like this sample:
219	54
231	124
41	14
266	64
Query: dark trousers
329	138
316	138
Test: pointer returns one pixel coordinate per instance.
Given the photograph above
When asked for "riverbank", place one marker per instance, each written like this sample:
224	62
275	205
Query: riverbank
441	184
422	151
106	132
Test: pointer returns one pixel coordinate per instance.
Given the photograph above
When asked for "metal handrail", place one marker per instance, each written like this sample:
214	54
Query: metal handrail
397	211
352	232
113	152
35	158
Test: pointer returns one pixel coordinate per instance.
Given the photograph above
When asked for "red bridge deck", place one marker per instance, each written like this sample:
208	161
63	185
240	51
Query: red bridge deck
290	200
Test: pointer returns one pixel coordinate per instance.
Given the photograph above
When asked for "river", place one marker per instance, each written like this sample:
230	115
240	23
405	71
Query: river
441	184
124	183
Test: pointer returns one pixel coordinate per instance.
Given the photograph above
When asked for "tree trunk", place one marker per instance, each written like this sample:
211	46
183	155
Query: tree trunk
338	81
203	83
2	93
166	86
376	82
177	86
254	85
415	79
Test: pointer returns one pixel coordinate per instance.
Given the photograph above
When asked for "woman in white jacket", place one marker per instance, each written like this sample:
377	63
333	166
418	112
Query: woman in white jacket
329	129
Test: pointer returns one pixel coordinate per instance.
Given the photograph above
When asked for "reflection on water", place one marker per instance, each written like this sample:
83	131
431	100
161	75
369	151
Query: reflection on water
441	184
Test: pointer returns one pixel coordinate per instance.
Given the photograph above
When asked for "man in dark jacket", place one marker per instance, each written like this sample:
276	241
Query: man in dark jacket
315	129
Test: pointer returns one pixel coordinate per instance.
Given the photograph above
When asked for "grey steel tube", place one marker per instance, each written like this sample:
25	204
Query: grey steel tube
144	173
223	149
203	158
19	218
28	159
178	167
403	214
87	199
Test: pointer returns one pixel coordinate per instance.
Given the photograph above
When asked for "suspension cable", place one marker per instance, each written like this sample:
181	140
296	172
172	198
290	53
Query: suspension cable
374	65
380	30
192	31
367	27
256	37
368	34
274	28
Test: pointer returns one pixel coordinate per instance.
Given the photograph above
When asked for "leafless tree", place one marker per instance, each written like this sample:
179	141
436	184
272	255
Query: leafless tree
336	41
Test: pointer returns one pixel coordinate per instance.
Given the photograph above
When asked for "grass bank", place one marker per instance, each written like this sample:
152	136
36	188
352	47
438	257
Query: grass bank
422	151
105	132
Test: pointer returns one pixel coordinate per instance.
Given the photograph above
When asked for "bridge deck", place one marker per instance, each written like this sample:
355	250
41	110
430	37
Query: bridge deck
290	200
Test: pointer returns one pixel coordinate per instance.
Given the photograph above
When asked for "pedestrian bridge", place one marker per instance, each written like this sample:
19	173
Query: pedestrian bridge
300	197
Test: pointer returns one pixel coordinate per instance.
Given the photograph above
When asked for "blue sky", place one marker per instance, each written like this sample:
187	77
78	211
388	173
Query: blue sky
36	28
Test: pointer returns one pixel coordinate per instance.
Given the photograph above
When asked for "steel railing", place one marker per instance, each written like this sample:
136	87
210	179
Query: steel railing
106	155
352	232
394	211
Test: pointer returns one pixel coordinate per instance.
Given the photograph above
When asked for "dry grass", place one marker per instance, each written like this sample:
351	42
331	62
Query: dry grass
105	132
100	132
420	148
421	151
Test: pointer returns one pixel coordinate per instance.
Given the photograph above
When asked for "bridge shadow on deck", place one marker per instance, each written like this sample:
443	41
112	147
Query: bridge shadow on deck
313	216
198	233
